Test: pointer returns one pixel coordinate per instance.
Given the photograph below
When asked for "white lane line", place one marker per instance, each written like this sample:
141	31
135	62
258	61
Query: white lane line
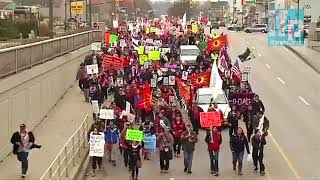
268	66
253	48
259	55
303	100
282	81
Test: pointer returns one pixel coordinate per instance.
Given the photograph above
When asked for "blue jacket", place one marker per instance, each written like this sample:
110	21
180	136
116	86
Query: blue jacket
111	135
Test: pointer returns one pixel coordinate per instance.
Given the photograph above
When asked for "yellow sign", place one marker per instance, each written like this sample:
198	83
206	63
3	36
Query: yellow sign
194	28
77	7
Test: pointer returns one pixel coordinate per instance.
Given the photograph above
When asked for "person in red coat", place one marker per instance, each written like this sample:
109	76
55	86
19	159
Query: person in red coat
214	140
178	126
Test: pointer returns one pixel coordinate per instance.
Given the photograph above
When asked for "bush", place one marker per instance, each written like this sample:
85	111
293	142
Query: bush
10	29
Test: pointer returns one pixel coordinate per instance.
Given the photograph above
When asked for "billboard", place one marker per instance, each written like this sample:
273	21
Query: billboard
285	27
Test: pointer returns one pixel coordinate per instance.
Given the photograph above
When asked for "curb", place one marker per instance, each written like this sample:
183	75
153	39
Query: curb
306	60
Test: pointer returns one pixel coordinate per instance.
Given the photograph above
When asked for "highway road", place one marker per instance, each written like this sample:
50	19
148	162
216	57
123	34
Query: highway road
289	89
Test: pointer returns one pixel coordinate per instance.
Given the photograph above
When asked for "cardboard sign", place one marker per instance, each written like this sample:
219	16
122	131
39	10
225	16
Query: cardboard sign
95	106
96	46
150	142
134	135
92	69
128	106
172	80
154	55
141	50
166	81
97	143
106	114
210	119
153	82
185	75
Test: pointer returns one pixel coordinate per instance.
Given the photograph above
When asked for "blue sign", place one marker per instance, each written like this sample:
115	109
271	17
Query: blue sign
150	142
285	27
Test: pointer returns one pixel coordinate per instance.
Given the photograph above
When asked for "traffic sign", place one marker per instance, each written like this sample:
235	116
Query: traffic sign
77	7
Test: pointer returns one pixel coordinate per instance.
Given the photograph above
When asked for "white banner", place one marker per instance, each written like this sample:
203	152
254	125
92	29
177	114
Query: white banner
92	69
97	143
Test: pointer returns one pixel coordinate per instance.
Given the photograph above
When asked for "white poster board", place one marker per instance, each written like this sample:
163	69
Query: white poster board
244	77
149	41
97	143
123	43
148	48
106	114
128	106
92	69
172	80
96	46
115	24
157	43
185	75
166	81
95	106
164	51
119	81
153	82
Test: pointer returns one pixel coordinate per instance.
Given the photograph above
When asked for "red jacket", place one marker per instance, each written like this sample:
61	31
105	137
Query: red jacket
177	129
214	141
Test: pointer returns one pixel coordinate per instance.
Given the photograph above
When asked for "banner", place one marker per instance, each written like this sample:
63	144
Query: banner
106	114
134	135
210	119
241	100
154	55
97	143
147	49
150	142
112	62
92	69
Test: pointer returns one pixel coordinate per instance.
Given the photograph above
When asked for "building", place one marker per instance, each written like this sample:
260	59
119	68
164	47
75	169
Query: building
7	9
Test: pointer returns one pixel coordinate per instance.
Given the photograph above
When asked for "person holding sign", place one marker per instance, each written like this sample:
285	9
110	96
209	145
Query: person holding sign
189	139
214	140
96	149
165	141
135	153
112	139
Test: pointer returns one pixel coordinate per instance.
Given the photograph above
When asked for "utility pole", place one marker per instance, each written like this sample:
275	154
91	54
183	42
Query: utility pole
51	19
65	15
188	9
233	4
90	13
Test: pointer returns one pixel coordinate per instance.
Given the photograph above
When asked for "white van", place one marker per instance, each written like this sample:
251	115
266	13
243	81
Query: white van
188	54
204	95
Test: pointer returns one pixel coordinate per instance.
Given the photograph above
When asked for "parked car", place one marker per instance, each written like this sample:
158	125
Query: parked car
234	27
257	28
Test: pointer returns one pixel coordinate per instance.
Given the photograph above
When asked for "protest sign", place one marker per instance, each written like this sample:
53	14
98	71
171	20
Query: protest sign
149	41
166	81
119	81
131	117
128	106
172	80
164	51
123	43
147	49
154	55
241	100
172	66
95	106
96	46
141	50
210	119
143	58
134	135
106	114
97	143
194	28
153	82
154	76
115	23
150	142
244	77
157	43
92	69
185	75
171	99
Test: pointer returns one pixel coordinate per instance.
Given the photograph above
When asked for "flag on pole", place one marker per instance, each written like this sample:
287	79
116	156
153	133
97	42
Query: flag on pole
184	90
235	71
217	43
200	80
224	60
246	56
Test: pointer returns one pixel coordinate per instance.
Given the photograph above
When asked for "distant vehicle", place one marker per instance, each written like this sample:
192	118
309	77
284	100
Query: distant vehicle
188	54
204	96
222	24
234	27
257	28
214	25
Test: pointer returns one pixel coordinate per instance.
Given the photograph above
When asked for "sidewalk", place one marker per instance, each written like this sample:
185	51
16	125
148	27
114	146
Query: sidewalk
308	55
53	132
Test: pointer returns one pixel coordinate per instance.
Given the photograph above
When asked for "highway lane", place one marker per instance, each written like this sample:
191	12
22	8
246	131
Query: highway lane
289	89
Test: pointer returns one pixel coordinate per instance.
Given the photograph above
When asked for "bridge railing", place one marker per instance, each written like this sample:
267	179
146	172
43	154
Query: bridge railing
71	153
15	59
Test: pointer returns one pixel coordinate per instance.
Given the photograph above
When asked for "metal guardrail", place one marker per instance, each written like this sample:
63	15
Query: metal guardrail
69	154
17	58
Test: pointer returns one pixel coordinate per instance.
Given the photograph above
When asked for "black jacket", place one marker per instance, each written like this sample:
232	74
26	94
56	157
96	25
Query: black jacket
257	106
258	144
248	117
17	138
238	143
233	119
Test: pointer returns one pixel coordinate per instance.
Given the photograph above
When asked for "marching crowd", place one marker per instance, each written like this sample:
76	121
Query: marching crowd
143	97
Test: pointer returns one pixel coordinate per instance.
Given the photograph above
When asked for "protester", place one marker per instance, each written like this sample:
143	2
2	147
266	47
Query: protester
82	75
233	120
189	139
124	144
237	144
257	105
178	127
112	139
248	117
135	153
166	141
194	114
258	141
23	142
214	140
95	159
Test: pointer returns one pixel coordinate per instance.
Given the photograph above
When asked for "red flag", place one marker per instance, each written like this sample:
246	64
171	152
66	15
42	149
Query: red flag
112	62
107	38
184	90
217	43
145	102
200	80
